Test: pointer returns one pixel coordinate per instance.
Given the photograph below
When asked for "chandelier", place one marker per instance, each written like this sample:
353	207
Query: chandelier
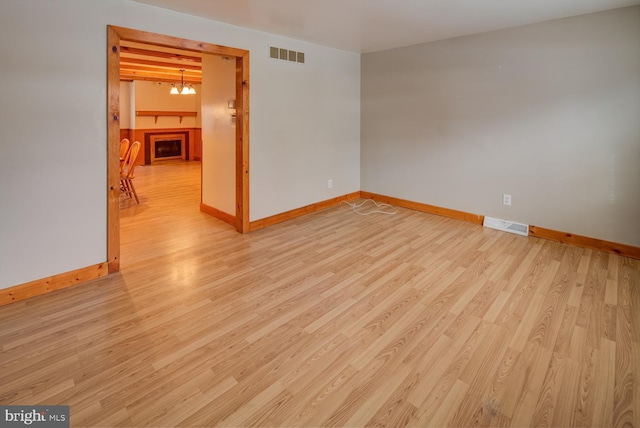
182	88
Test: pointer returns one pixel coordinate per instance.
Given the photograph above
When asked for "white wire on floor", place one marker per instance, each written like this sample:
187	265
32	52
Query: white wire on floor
356	207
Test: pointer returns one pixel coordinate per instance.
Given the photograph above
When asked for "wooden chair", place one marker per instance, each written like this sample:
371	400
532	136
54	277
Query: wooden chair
124	148
126	174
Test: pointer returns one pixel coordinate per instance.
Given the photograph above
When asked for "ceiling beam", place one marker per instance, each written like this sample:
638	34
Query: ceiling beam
137	61
154	79
161	71
158	54
151	76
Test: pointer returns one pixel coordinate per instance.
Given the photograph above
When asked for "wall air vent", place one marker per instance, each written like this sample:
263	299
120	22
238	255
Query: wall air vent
506	226
286	55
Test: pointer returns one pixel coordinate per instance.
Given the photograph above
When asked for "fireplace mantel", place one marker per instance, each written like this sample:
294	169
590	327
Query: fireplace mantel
157	113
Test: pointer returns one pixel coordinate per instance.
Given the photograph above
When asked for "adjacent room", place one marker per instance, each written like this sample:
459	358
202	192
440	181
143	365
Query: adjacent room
362	213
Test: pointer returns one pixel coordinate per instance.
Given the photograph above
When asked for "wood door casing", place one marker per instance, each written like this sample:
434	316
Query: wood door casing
114	36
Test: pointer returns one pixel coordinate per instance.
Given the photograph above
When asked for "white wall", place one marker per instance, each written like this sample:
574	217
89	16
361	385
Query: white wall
313	124
218	134
144	95
549	113
156	96
305	125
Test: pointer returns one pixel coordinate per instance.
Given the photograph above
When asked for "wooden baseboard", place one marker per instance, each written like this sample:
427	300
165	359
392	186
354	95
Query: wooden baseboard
220	215
52	283
585	242
298	212
536	231
431	209
67	279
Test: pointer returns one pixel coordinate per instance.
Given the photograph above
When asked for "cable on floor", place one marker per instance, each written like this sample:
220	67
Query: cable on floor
356	207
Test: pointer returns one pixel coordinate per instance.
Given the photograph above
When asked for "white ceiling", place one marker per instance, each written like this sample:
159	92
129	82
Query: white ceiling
371	25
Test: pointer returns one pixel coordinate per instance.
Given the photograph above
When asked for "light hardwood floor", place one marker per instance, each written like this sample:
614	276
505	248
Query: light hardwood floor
332	319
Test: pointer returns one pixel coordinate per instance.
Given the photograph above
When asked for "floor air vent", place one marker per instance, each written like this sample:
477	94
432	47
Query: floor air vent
506	226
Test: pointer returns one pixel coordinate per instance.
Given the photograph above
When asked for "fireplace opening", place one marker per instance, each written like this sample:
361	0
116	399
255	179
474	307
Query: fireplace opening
168	149
166	146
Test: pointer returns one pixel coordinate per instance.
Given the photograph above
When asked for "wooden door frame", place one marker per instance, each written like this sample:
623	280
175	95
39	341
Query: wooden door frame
114	36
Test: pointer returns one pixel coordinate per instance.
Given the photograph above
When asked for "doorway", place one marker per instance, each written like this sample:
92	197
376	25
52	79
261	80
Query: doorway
114	36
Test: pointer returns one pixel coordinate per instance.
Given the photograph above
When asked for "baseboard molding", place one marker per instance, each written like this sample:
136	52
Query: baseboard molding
298	212
67	279
431	209
585	242
535	231
220	215
51	283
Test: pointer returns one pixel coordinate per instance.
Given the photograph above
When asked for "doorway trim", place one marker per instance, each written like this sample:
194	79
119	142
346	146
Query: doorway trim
114	36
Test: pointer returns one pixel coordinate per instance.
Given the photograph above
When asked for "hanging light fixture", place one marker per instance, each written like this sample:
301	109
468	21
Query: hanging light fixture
182	88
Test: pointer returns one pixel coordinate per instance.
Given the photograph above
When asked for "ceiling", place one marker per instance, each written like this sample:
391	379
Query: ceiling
140	61
363	26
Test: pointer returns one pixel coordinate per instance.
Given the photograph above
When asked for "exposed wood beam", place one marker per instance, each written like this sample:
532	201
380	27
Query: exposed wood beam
130	74
137	61
131	78
169	72
157	54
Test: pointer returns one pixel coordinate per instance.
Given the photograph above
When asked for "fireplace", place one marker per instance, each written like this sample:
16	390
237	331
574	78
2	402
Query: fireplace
167	147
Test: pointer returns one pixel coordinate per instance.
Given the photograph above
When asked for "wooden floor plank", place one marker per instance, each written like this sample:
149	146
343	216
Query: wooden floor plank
331	319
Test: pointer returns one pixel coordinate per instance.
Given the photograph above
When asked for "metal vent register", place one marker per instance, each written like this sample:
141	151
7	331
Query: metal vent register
286	54
506	226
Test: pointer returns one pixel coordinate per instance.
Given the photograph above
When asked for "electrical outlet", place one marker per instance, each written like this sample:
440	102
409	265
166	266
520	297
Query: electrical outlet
329	184
506	199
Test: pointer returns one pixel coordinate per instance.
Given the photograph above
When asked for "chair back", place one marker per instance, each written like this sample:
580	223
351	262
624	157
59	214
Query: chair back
124	147
130	160
124	150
